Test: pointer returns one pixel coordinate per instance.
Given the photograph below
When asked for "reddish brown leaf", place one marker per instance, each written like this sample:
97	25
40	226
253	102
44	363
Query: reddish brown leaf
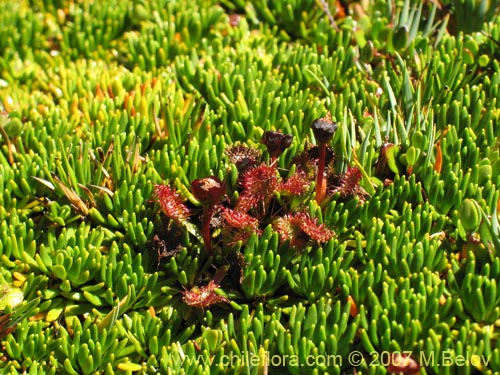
354	308
438	164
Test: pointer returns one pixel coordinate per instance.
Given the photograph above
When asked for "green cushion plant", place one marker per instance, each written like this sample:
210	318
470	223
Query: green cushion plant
169	203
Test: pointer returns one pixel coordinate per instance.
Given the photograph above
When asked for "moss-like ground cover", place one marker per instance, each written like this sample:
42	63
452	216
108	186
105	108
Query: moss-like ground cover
249	187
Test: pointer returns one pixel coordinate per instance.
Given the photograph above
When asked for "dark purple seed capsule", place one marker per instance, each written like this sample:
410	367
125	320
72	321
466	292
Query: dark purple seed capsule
208	190
323	130
276	142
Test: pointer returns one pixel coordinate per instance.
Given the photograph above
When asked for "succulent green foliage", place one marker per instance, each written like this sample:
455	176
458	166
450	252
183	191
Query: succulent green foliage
102	101
470	15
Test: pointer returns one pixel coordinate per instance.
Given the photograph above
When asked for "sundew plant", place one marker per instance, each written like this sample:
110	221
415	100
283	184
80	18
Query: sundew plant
249	187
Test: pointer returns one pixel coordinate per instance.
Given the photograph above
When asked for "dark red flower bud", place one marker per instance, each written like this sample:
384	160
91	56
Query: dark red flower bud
276	142
323	129
209	190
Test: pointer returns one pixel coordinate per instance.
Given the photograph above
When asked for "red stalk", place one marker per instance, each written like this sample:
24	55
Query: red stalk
320	179
208	211
323	130
209	191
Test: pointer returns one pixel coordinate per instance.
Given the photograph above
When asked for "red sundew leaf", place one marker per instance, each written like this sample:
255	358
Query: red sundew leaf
297	228
288	228
243	157
317	232
170	202
246	202
204	296
235	236
297	184
349	182
239	219
259	184
239	226
262	180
